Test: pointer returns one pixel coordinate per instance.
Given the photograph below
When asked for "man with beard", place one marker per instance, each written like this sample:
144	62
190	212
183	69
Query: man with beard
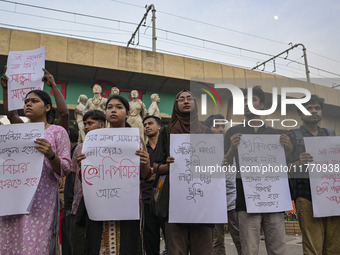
318	234
250	223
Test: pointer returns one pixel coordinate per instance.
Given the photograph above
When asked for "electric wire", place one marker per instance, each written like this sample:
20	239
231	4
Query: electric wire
204	41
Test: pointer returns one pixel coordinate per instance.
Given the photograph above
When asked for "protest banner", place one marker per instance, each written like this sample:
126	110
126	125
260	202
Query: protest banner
20	166
196	194
110	174
264	174
24	72
324	174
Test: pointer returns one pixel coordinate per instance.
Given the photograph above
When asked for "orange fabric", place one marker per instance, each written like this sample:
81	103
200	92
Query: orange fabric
294	209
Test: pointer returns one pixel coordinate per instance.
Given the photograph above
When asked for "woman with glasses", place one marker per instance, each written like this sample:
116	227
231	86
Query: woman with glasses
183	238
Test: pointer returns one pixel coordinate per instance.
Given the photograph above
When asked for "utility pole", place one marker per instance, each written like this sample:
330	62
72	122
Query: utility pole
286	52
154	38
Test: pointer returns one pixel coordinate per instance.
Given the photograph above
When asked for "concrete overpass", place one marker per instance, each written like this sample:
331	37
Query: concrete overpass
81	63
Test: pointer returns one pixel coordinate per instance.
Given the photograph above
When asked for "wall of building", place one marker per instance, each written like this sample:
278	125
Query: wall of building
156	66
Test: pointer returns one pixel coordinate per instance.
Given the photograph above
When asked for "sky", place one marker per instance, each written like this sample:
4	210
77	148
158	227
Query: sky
235	32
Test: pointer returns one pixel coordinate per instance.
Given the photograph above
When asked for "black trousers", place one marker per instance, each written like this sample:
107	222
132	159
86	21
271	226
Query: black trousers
152	226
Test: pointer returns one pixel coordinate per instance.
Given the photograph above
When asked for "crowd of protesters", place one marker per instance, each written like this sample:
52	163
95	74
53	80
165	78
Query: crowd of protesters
37	232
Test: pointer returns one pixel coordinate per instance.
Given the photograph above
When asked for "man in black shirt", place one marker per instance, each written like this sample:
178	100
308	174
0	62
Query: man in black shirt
250	223
152	223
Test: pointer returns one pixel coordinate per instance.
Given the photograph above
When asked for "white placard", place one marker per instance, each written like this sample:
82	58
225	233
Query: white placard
20	166
324	174
264	174
110	174
24	72
198	197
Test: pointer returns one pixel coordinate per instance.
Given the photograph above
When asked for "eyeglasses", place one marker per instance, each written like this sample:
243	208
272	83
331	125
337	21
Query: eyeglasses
182	99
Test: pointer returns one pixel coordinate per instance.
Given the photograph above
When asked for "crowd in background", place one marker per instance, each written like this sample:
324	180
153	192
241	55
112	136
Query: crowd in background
37	232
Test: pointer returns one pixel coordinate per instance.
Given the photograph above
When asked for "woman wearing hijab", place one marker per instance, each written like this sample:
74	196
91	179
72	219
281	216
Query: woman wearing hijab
182	238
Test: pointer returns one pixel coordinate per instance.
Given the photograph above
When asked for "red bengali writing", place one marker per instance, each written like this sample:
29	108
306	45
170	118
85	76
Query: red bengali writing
335	199
110	169
17	57
326	162
15	183
15	66
335	188
29	65
326	187
35	57
322	189
9	167
21	93
26	65
21	78
334	177
329	151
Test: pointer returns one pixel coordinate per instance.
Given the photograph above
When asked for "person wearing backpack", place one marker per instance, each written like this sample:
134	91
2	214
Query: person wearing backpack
318	234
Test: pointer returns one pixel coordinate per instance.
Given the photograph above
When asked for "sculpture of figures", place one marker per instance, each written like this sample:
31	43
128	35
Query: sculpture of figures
115	91
137	113
153	109
78	115
97	102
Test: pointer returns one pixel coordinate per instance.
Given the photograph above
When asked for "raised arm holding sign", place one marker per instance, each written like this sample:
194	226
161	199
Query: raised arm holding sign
24	72
36	231
22	61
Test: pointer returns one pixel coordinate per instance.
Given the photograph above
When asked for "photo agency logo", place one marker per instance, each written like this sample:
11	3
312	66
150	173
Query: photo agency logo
204	98
223	93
